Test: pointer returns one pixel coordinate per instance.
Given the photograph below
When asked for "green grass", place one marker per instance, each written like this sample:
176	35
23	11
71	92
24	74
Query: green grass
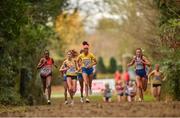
147	98
104	76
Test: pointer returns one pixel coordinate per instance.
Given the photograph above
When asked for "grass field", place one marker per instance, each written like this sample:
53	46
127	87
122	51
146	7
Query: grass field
57	92
147	98
97	108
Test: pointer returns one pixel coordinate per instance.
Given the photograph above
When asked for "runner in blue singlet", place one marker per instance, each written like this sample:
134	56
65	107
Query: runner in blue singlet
140	62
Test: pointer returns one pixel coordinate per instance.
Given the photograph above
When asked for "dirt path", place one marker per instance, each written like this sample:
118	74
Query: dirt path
96	108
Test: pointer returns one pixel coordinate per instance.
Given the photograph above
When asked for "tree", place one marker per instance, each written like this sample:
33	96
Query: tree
70	29
100	65
120	68
112	65
23	37
169	33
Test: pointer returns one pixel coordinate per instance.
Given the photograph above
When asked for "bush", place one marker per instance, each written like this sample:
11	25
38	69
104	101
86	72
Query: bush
170	52
171	85
100	65
120	68
9	96
112	65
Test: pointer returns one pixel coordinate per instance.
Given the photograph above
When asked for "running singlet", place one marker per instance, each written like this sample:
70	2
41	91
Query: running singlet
72	68
130	90
157	79
139	64
46	69
117	76
126	77
119	89
86	59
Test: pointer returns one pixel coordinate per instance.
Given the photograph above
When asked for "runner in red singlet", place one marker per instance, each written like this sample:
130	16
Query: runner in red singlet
45	65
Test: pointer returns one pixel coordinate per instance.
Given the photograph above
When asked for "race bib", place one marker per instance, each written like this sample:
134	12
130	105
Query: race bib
157	78
86	62
45	71
71	70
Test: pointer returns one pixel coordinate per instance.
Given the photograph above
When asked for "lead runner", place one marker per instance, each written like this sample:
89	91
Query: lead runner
87	60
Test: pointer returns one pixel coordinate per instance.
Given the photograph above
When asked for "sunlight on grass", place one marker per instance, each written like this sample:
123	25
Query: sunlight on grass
105	76
147	98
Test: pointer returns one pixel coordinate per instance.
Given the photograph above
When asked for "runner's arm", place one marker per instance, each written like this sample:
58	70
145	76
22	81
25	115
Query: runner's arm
132	62
63	68
79	68
163	77
146	61
94	62
76	65
150	74
79	60
41	63
55	66
54	63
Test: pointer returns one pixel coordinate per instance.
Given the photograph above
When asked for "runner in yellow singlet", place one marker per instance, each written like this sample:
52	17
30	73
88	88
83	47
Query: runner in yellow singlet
157	79
71	73
87	60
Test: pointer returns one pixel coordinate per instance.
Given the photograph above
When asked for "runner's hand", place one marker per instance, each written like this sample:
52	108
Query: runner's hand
76	71
89	66
39	66
128	65
55	66
66	68
142	61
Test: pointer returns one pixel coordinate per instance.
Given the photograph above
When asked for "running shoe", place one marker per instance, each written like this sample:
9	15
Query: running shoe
72	102
140	100
87	100
66	102
49	102
81	100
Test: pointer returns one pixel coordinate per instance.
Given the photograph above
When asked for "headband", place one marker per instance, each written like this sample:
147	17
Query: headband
85	46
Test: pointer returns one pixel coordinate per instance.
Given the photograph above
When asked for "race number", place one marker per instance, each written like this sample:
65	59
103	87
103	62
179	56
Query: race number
86	62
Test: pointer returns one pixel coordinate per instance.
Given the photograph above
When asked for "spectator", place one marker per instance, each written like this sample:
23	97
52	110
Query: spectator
117	76
126	77
107	93
120	90
130	91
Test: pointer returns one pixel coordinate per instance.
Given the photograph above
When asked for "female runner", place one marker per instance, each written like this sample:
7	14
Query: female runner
87	60
140	62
